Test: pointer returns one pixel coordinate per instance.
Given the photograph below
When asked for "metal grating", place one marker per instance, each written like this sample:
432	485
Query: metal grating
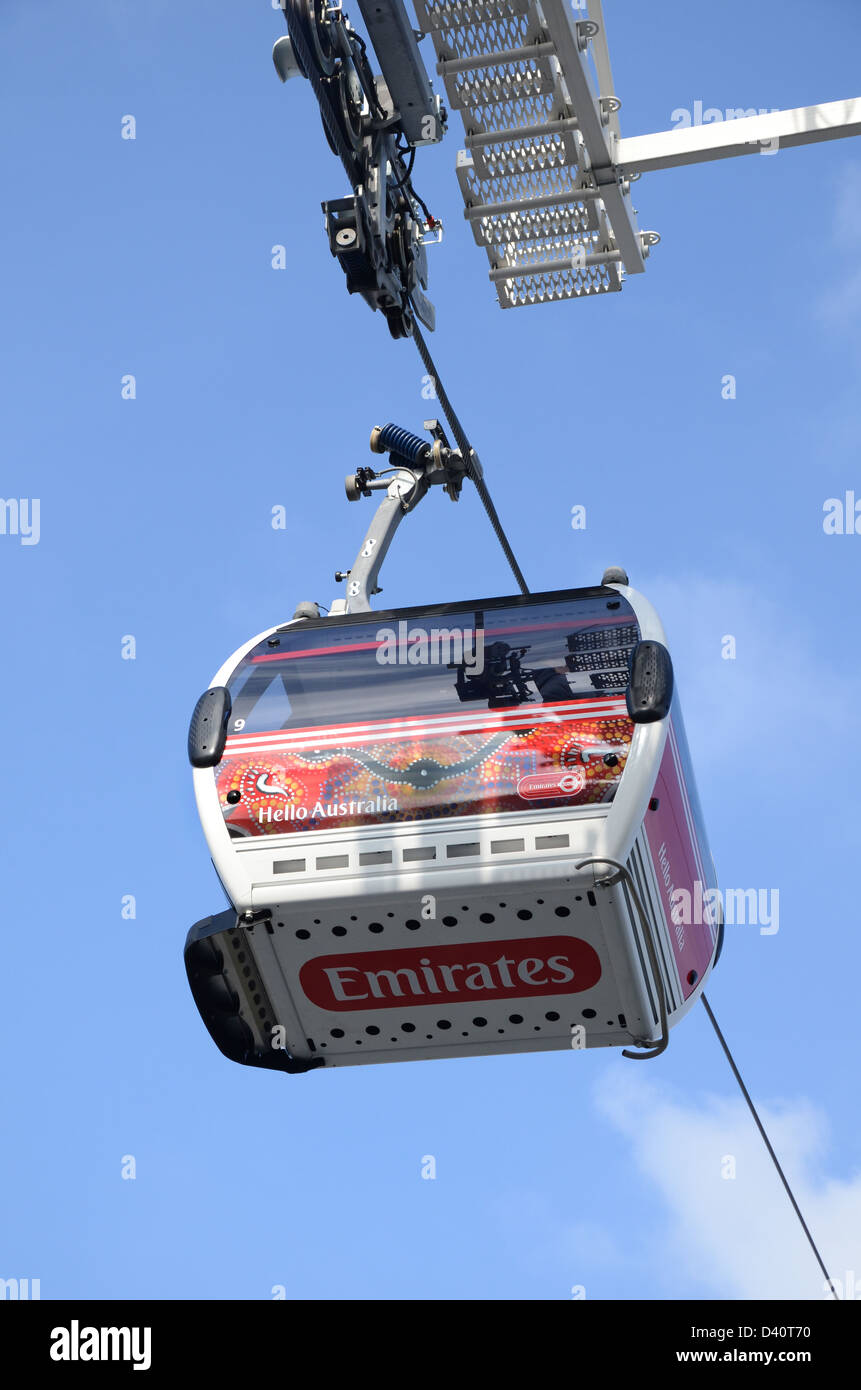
546	287
527	175
467	29
516	158
561	215
604	654
498	101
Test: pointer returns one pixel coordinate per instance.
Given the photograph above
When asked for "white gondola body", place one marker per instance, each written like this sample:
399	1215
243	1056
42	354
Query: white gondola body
401	866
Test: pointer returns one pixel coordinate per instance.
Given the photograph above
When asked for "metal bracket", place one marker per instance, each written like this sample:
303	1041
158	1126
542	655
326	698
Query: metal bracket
416	466
608	881
379	234
395	44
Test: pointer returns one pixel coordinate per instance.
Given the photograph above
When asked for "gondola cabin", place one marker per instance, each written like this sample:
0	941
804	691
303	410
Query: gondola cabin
397	804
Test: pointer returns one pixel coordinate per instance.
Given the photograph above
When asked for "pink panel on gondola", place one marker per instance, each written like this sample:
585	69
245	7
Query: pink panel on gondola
683	868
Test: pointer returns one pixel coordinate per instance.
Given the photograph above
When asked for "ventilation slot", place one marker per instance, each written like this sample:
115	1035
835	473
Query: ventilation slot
638	932
288	866
424	852
650	894
333	861
552	842
376	856
462	851
507	846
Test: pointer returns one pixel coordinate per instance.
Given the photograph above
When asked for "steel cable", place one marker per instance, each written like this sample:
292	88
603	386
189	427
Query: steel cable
470	457
752	1108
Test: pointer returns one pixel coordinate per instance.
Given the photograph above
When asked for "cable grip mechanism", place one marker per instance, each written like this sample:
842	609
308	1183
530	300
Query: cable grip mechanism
428	461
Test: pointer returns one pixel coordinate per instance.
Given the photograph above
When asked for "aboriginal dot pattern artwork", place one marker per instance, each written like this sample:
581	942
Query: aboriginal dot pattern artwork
423	776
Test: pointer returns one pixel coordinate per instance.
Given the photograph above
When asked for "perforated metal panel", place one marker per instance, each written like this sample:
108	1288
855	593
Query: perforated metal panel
528	174
411	1009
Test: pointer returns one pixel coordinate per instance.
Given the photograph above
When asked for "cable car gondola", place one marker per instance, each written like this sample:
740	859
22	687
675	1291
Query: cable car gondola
447	831
467	828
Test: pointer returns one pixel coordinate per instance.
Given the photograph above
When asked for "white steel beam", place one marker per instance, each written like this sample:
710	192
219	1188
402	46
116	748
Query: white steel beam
601	58
803	125
599	140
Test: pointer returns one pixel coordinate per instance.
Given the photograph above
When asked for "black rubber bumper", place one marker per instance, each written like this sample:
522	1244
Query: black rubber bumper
218	1004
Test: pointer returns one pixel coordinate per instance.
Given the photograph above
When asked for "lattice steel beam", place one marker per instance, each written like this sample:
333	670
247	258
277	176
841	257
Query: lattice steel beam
546	174
538	176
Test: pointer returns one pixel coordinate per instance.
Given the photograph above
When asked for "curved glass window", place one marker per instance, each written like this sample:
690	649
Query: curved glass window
541	650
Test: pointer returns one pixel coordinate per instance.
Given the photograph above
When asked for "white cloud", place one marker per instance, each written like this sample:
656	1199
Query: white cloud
544	1235
739	1237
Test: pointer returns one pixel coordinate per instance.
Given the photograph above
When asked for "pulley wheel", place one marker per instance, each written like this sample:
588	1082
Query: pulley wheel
317	33
400	323
400	245
353	104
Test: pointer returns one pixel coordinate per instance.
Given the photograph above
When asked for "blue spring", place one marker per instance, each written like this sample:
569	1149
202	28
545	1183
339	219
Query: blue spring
408	446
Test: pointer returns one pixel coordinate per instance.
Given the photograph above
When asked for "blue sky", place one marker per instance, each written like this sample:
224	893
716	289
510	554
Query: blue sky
258	387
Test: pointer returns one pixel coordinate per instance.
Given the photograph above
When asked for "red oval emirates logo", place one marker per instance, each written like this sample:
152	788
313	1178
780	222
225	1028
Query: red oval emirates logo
465	973
542	786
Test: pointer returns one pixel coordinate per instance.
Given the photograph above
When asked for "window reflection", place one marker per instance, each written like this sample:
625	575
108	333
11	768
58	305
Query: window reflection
545	652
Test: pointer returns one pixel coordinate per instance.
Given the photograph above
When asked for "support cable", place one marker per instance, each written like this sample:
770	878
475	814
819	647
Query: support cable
470	458
767	1142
